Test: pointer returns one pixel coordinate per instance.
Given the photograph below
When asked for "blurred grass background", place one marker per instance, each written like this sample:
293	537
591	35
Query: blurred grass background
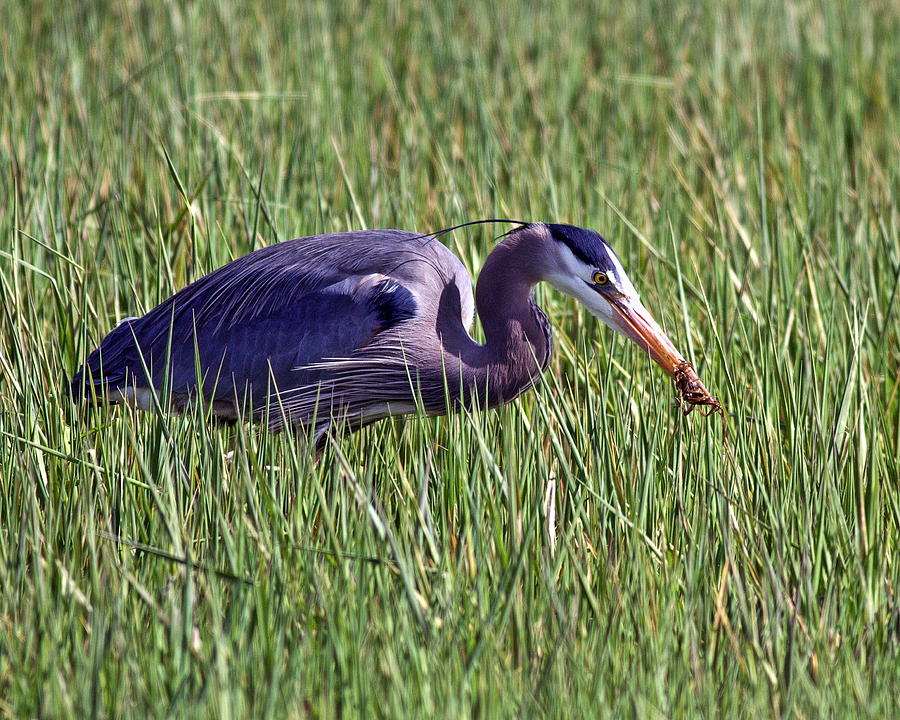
584	552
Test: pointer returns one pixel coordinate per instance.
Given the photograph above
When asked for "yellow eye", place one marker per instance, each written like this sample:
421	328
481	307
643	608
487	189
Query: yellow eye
600	278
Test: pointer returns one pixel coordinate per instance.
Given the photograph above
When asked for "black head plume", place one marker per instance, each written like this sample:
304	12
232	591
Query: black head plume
587	245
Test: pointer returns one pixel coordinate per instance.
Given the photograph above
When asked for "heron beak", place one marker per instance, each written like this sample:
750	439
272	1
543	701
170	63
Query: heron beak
636	323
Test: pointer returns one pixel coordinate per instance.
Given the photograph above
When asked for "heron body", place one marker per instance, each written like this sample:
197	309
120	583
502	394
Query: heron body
357	326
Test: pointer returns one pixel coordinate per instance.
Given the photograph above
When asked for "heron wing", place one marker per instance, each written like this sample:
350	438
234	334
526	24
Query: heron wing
248	334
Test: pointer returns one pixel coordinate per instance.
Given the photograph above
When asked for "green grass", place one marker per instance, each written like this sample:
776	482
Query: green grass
586	551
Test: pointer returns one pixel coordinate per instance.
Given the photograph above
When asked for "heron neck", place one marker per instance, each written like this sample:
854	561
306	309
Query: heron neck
517	333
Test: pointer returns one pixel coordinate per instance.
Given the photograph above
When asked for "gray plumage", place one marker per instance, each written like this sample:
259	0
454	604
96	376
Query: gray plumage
352	327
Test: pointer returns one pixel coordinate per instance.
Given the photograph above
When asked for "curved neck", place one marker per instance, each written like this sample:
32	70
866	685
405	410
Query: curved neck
517	333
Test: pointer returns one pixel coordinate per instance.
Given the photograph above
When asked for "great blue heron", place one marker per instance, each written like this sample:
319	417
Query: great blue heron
357	326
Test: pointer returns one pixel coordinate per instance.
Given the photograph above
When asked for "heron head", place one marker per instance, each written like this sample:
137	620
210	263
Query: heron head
584	266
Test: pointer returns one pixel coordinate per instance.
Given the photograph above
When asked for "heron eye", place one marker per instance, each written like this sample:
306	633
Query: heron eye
600	278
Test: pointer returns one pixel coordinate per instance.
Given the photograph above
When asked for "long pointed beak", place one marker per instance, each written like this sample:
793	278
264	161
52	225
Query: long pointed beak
636	323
